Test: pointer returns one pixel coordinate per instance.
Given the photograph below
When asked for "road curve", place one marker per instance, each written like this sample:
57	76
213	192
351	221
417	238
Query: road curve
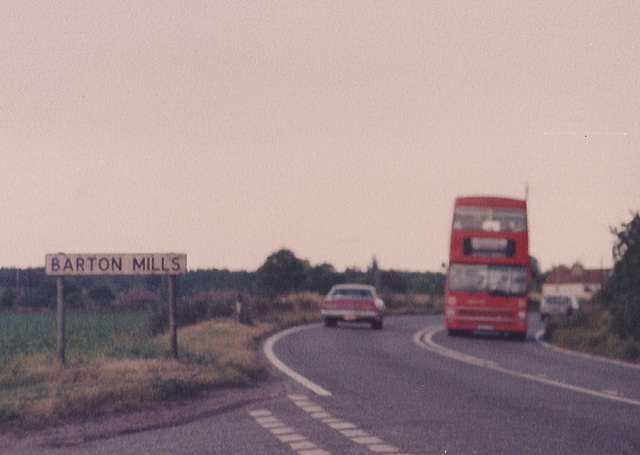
425	392
424	338
406	390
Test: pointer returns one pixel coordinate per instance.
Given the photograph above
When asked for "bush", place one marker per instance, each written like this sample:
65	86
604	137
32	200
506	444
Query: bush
8	299
412	303
102	296
621	293
631	350
304	306
199	308
589	330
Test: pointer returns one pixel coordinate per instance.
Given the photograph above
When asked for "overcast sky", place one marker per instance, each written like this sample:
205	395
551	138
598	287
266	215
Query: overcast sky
341	130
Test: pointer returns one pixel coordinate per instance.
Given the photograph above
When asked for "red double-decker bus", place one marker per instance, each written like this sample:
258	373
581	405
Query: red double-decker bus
488	277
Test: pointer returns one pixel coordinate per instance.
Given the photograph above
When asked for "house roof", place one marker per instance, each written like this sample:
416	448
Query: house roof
577	275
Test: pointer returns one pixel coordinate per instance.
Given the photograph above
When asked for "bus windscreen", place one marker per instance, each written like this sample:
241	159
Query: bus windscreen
503	280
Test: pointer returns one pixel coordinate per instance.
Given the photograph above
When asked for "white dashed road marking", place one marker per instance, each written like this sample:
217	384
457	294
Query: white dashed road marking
346	429
286	434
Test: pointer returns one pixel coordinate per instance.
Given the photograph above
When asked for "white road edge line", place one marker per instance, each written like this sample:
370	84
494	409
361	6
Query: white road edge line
276	362
423	338
620	363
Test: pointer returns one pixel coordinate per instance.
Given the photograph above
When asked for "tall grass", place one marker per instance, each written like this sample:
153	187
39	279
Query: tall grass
120	360
413	303
114	362
35	390
588	330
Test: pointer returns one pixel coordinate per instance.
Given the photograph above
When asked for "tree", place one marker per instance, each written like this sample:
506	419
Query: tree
393	281
425	282
8	298
537	276
281	272
622	292
374	273
322	277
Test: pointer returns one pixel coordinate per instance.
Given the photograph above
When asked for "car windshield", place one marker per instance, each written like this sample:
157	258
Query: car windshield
492	279
490	219
352	292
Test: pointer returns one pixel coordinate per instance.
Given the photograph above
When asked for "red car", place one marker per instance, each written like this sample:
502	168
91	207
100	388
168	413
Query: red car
353	303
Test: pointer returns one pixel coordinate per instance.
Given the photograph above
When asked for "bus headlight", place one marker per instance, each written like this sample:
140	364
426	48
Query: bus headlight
451	301
522	314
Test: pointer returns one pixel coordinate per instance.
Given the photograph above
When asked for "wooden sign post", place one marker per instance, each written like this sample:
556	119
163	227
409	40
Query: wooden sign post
173	317
60	338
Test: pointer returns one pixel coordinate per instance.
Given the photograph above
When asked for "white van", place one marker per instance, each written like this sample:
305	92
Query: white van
558	304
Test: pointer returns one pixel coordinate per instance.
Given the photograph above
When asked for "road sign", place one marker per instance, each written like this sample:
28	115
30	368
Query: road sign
116	264
61	265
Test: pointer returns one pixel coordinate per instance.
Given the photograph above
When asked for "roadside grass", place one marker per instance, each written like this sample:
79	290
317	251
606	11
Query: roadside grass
587	331
398	304
35	390
114	364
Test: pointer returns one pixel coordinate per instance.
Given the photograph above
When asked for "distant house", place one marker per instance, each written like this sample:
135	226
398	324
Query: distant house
575	281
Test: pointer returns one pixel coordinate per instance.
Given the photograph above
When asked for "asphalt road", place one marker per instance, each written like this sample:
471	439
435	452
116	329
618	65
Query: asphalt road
420	391
408	389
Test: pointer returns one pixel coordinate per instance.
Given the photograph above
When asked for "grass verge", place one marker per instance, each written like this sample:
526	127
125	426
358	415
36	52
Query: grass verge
36	391
117	368
587	331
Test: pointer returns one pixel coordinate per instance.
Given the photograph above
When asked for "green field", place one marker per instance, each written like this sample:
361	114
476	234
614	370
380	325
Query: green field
92	334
